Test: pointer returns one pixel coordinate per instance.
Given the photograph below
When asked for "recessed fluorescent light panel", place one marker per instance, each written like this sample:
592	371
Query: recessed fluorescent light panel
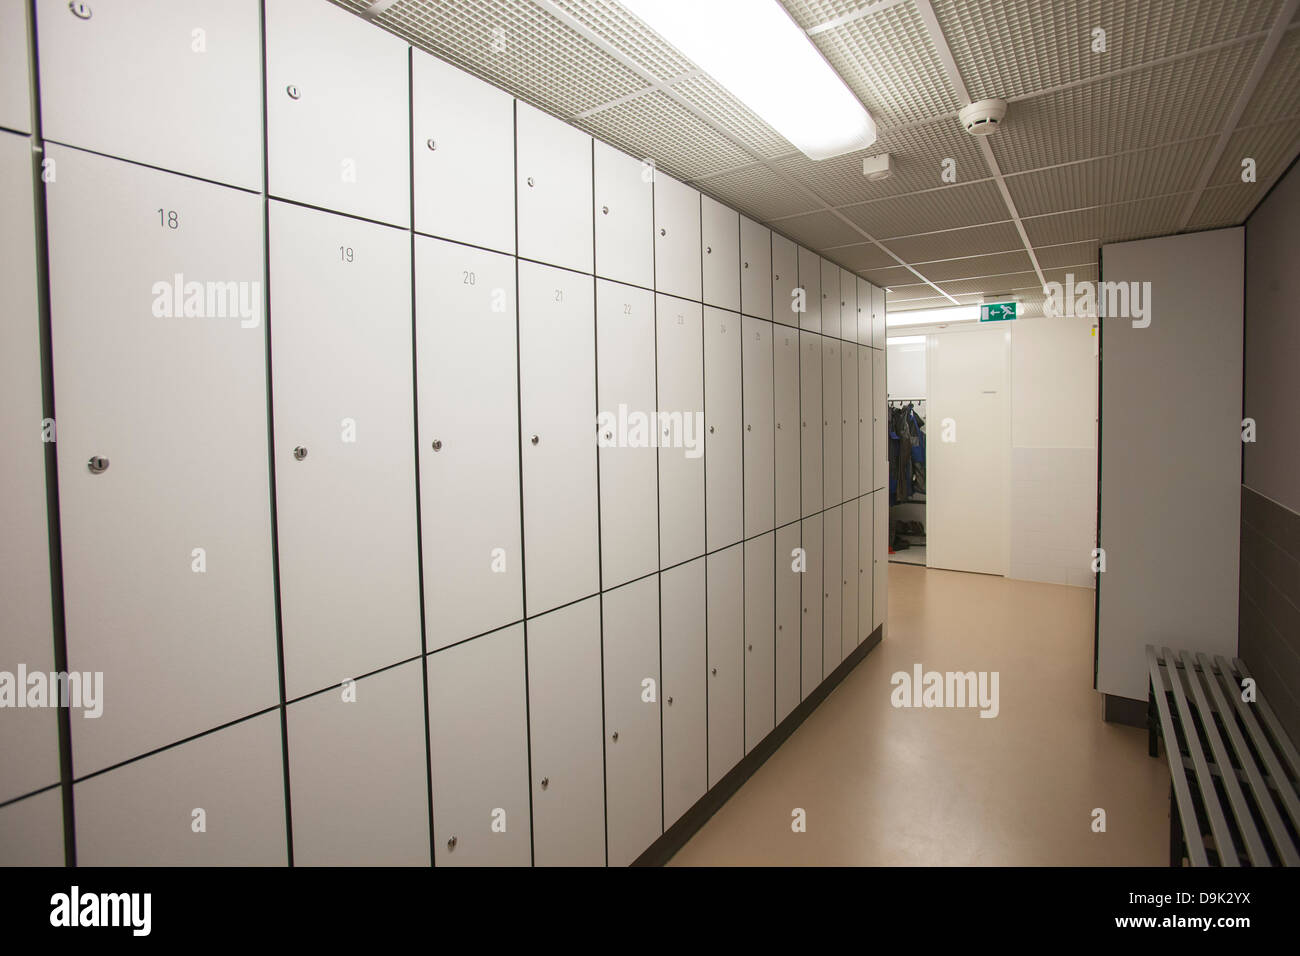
905	340
959	313
766	61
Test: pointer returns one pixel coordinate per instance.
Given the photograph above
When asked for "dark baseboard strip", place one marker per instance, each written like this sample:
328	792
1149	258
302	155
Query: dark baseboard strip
675	837
1125	710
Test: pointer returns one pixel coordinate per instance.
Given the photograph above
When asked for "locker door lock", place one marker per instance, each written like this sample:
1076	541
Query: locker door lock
663	232
710	429
776	278
530	182
546	782
97	465
746	265
535	439
293	92
708	250
431	143
437	444
604	210
749	428
751	647
451	844
715	672
670	701
299	453
80	10
614	737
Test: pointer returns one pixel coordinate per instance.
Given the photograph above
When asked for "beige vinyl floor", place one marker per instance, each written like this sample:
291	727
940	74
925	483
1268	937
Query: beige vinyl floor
944	787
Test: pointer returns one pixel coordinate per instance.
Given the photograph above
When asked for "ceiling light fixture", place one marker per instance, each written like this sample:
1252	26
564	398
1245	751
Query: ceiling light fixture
959	313
768	63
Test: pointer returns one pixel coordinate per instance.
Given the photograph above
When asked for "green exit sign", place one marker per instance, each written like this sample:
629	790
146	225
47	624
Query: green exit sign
997	311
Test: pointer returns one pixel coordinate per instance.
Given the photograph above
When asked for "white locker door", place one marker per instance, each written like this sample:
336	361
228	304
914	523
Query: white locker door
344	461
880	580
140	814
565	715
810	280
172	85
788	611
723	433
677	238
15	84
679	335
877	318
726	637
625	248
832	588
880	419
810	420
831	302
176	404
684	690
634	794
760	461
337	112
755	269
849	575
848	306
849	419
29	737
480	778
468	440
863	336
557	380
378	814
866	420
811	594
785	280
464	155
760	649
866	565
785	385
553	173
832	429
625	375
720	231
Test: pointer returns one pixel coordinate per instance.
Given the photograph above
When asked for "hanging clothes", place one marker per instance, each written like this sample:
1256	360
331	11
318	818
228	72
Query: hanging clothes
906	452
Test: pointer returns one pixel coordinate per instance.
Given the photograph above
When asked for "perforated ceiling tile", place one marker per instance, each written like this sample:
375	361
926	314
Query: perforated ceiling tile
990	284
632	38
954	243
884	278
1271	146
1139	219
973	267
1160	169
1010	48
945	208
1067	254
757	191
1221	206
863	256
914	297
1278	93
814	13
817	230
733	116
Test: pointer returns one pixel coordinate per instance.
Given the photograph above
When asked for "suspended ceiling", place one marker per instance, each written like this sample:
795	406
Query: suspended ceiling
1145	139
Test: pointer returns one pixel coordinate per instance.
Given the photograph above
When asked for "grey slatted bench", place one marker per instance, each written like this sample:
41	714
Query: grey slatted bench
1234	799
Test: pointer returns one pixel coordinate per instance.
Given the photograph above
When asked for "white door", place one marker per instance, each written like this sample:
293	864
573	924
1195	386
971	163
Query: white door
877	318
832	430
760	459
337	112
720	232
849	574
679	336
15	82
464	155
167	543
831	303
565	713
553	183
684	690
557	381
785	280
755	269
866	565
967	477
810	280
624	218
481	810
468	440
832	588
788	611
849	419
863	312
625	374
726	636
633	767
811	595
785	384
344	460
677	238
760	648
880	582
810	421
879	420
848	306
723	433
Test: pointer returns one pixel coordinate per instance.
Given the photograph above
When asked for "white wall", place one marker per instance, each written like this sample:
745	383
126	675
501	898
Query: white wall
907	369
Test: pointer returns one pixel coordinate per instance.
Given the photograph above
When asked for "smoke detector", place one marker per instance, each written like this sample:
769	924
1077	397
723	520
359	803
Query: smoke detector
984	117
878	167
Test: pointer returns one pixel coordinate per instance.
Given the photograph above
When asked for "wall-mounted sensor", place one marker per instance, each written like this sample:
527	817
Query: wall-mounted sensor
983	117
878	167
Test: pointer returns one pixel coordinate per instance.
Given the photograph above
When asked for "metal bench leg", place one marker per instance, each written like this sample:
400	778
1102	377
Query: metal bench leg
1153	722
1175	832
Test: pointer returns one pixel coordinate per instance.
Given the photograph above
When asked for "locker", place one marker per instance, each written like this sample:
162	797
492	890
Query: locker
760	648
144	813
880	422
723	433
760	461
15	85
565	713
811	595
625	374
360	790
849	419
677	238
337	112
625	248
832	588
553	182
877	318
866	564
29	739
848	306
174	85
679	337
866	420
720	232
880	571
177	406
785	280
785	384
849	574
755	269
468	440
478	752
464	156
684	689
633	768
31	831
831	301
810	419
864	312
557	381
726	639
788	612
832	422
345	513
810	280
